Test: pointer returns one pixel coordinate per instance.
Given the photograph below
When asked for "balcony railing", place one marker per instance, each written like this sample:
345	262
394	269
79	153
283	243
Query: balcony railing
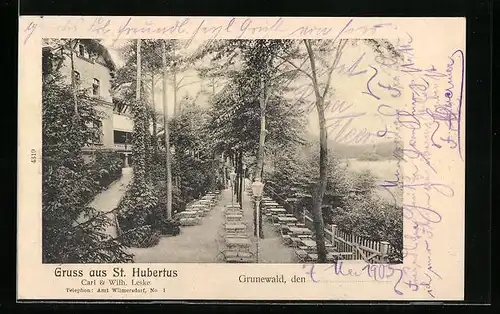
123	147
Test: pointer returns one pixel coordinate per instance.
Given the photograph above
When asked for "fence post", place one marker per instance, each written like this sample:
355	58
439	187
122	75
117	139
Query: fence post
384	249
334	233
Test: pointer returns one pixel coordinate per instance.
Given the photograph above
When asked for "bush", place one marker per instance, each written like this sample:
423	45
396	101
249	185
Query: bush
166	226
108	166
373	219
133	214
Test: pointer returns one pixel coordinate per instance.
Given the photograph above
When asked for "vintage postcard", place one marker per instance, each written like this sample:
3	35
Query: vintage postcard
221	158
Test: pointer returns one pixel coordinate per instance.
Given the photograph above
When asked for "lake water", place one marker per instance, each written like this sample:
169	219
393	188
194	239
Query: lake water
382	169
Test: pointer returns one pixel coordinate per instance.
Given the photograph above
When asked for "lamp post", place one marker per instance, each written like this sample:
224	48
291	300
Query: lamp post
232	177
257	189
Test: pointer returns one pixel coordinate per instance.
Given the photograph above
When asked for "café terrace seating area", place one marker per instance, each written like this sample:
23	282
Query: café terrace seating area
295	234
236	242
196	210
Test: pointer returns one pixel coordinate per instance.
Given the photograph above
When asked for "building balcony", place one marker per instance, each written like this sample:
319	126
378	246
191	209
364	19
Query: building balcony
93	147
123	147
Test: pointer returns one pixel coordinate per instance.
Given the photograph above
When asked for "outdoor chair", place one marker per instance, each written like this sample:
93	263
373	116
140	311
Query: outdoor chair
301	255
295	241
285	237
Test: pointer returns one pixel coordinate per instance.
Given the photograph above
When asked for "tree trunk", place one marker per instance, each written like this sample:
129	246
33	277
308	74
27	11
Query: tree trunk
176	105
323	154
167	135
139	132
318	197
260	156
138	77
73	79
154	142
262	134
240	181
238	177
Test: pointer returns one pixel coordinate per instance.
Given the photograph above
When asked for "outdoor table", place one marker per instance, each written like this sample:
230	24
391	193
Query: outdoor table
233	206
270	203
188	213
242	242
199	206
236	227
193	210
234	216
300	224
308	242
286	219
277	210
236	235
233	212
266	198
297	230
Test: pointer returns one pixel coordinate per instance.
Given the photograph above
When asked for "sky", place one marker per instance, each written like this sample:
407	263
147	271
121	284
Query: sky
193	84
351	117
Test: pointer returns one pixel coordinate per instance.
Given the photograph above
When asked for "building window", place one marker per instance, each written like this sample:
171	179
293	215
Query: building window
95	87
122	140
77	78
81	50
121	137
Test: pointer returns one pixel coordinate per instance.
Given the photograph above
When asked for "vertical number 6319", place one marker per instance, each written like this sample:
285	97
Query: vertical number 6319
33	155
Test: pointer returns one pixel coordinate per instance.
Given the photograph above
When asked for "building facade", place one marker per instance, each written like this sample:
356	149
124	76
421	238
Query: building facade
93	72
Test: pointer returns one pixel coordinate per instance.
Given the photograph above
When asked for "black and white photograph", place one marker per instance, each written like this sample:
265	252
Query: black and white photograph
220	151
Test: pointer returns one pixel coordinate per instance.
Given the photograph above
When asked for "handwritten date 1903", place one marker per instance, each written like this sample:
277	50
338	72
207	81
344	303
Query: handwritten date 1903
377	272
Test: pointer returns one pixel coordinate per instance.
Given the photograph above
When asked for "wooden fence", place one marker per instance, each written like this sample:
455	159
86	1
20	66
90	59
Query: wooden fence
361	248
